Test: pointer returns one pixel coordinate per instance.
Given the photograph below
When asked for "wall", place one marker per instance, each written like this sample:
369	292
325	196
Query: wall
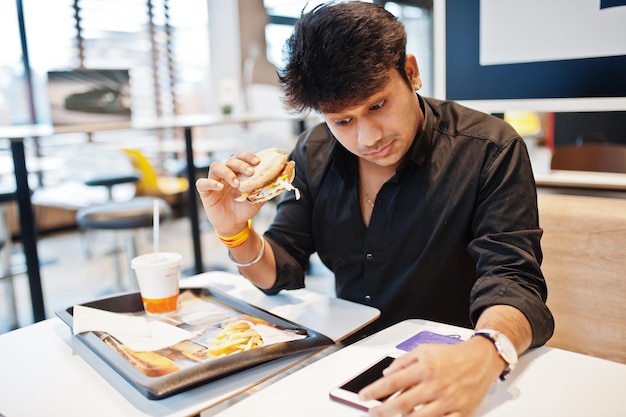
546	84
237	42
252	21
224	44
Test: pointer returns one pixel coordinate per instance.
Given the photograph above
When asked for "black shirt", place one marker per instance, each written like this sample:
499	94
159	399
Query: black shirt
454	231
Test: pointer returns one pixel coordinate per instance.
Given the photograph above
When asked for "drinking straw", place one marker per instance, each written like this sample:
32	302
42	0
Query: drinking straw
155	222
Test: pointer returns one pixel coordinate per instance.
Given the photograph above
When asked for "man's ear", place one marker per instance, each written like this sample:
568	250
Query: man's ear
413	72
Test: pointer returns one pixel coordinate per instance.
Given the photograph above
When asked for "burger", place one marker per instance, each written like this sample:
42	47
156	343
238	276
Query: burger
272	176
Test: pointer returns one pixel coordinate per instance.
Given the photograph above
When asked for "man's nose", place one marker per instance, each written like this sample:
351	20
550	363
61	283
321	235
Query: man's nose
369	133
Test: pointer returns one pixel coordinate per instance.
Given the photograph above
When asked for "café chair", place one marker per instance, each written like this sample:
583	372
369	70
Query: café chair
151	183
128	217
590	137
592	156
124	215
110	180
200	168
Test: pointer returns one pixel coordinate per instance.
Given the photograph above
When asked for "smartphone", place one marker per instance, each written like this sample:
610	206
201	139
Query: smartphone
347	392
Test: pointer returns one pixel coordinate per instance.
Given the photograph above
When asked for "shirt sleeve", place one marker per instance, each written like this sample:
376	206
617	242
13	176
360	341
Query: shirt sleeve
290	233
506	244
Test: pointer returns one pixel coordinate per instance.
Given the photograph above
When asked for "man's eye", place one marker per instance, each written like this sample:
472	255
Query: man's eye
343	122
378	106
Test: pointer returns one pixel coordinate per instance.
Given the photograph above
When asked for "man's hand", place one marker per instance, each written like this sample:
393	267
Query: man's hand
450	380
220	189
438	380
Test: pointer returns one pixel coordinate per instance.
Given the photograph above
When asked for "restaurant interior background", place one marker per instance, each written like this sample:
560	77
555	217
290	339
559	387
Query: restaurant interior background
183	57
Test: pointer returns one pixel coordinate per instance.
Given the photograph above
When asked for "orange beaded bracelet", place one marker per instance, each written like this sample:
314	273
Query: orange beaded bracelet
237	239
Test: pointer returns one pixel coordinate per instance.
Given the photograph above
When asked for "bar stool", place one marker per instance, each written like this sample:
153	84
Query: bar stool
6	268
128	216
111	180
107	180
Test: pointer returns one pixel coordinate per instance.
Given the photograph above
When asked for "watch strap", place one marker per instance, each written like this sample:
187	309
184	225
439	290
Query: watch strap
495	337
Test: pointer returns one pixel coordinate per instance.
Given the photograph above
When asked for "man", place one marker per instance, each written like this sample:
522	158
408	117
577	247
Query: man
421	208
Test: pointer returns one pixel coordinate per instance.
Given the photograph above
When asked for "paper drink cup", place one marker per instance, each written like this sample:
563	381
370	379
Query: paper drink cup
158	276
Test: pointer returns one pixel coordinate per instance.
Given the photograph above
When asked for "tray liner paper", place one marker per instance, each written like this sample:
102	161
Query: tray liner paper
230	335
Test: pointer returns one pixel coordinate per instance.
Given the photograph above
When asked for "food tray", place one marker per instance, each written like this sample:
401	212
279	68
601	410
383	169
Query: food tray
198	366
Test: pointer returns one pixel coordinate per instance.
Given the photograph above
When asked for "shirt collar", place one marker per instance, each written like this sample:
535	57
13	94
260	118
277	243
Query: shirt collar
421	144
342	160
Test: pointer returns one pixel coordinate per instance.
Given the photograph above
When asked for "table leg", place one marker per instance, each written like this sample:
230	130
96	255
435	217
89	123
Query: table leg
192	203
27	229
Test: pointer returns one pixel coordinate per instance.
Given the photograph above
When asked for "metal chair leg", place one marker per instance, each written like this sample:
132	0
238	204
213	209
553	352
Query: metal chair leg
118	260
131	252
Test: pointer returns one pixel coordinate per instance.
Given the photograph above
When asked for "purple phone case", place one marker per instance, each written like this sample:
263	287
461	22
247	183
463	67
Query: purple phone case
428	337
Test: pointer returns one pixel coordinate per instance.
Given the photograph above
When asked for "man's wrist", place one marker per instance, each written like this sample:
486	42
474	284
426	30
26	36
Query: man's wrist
504	348
254	261
237	239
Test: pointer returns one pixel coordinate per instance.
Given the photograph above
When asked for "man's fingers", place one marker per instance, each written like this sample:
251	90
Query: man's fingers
205	186
247	157
402	362
224	174
239	166
385	386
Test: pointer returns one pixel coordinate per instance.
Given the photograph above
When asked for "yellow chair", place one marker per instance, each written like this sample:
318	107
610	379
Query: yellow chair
526	123
153	184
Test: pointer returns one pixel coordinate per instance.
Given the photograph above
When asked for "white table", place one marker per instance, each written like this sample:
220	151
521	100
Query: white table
547	382
44	370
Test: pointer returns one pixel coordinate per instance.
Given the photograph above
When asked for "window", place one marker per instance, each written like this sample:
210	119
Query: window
418	21
13	87
164	44
416	15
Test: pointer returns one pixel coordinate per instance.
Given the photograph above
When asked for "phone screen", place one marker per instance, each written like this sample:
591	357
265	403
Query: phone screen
348	392
368	376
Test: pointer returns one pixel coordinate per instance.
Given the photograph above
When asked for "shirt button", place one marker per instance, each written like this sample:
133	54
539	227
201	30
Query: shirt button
368	297
369	256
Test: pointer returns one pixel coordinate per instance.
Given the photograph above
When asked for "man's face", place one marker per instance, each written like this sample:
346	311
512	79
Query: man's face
381	129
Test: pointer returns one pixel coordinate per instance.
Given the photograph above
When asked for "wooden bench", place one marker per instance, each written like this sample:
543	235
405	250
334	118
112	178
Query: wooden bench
584	246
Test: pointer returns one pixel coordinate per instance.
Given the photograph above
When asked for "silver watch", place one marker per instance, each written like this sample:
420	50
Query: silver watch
503	345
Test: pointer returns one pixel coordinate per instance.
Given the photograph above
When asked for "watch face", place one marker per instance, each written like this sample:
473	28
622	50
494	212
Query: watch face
507	349
503	345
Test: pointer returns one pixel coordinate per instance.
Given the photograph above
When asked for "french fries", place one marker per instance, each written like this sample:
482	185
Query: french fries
235	337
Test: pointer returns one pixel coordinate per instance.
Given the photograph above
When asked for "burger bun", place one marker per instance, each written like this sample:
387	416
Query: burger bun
272	176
